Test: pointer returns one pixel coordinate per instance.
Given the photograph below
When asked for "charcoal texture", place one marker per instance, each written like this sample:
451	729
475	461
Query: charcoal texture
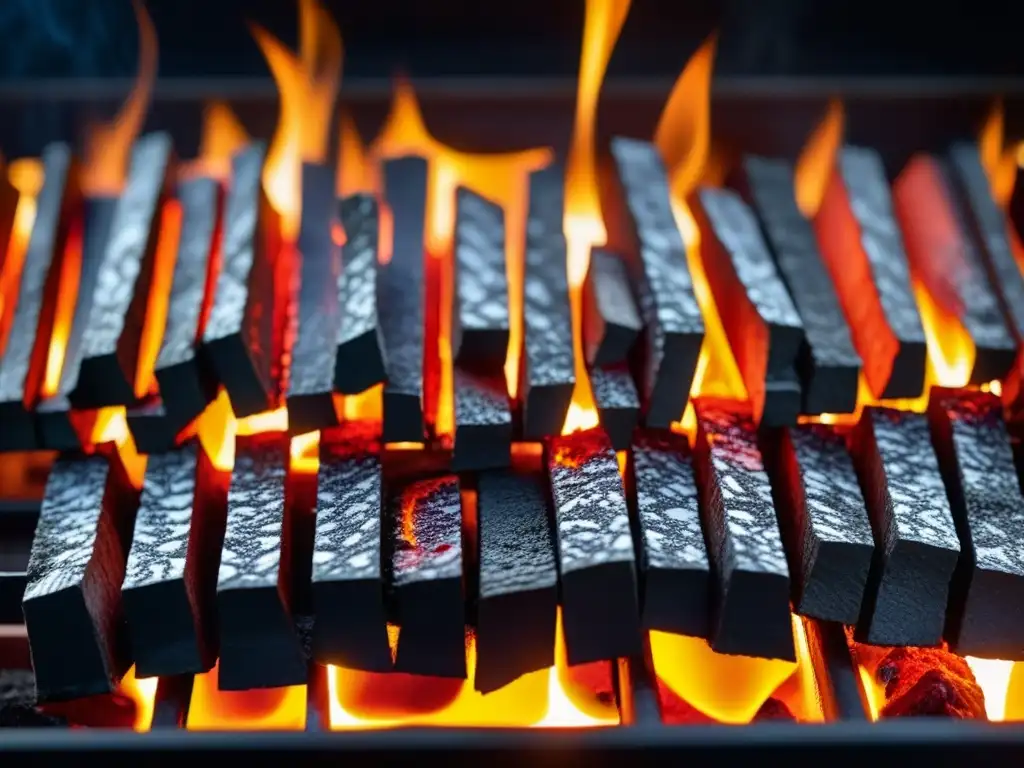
617	401
401	299
823	519
673	555
239	334
310	396
976	460
72	603
186	384
426	572
359	361
915	539
24	359
751	615
259	646
611	320
483	422
595	549
348	579
827	362
480	322
547	371
110	346
641	220
518	594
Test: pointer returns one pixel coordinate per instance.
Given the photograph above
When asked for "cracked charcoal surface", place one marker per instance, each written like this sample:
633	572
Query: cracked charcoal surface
480	402
358	280
740	236
435	551
666	496
251	555
29	299
164	520
591	518
546	313
347	543
800	263
129	235
482	287
198	199
516	549
871	204
751	540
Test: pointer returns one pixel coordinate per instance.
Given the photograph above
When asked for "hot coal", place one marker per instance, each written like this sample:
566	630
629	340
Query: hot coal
611	320
617	401
483	422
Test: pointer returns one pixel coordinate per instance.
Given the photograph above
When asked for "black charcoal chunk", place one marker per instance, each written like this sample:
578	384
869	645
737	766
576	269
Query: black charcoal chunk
483	422
611	320
617	401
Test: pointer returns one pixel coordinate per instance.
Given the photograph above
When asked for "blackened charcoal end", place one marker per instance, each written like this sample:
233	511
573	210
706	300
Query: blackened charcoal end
54	425
908	371
617	401
750	622
544	408
611	320
152	428
827	388
311	412
17	428
355	637
189	388
781	399
608	589
403	417
515	636
249	392
102	382
359	363
670	391
483	423
260	646
151	611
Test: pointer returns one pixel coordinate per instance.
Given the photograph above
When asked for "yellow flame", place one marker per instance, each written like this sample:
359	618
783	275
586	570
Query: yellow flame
999	161
817	159
143	694
223	135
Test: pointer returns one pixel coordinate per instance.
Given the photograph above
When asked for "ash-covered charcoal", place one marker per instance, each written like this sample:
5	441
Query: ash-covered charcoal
18	702
611	320
170	580
25	352
426	578
72	602
483	422
239	338
641	224
401	300
186	384
518	584
823	519
547	374
348	576
480	321
674	558
751	614
310	396
359	358
828	364
259	645
54	421
595	549
976	460
617	401
946	259
862	246
760	321
916	541
111	344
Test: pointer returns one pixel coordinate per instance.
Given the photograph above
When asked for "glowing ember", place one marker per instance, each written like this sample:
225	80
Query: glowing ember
142	693
273	709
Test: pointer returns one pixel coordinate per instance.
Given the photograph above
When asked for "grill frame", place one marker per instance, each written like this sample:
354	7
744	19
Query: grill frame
769	116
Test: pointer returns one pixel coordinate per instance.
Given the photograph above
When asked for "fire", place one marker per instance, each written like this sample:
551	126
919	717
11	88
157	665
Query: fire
143	694
543	699
26	176
308	85
354	174
731	689
817	160
272	709
583	225
109	429
222	136
108	146
999	160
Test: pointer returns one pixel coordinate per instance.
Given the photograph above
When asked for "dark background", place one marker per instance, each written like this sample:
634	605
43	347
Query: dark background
516	38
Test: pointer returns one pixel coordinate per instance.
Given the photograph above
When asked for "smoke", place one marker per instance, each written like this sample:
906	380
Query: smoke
67	38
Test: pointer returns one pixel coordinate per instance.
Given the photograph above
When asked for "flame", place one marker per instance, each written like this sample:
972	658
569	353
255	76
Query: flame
271	709
143	694
159	297
998	160
583	224
355	172
683	134
499	177
817	160
543	699
308	85
109	430
64	311
222	136
993	676
730	689
108	145
26	176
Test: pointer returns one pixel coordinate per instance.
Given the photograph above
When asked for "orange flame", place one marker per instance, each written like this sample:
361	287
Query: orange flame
544	699
998	160
143	694
308	85
223	135
583	224
108	145
817	160
355	172
272	709
26	176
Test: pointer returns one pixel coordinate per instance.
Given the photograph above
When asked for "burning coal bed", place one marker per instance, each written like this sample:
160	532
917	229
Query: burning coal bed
428	438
